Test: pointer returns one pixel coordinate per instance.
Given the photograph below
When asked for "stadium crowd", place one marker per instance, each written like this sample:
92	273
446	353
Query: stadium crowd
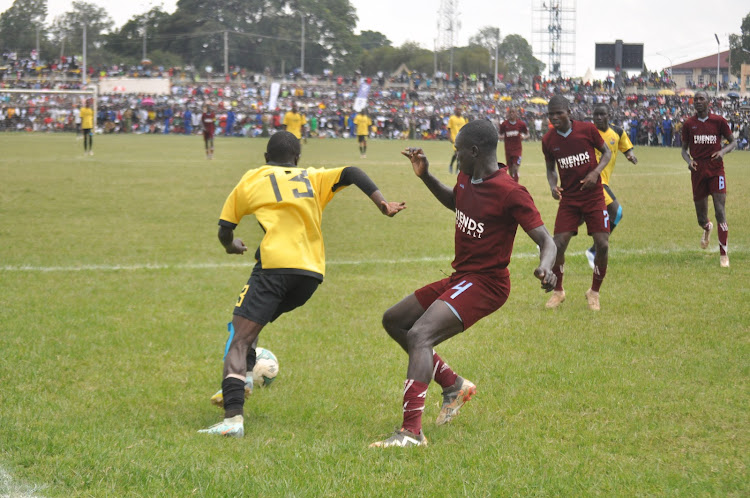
404	106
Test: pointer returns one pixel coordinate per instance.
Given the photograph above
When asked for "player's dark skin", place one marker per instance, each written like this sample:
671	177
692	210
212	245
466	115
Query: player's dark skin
417	330
559	116
246	331
601	121
700	103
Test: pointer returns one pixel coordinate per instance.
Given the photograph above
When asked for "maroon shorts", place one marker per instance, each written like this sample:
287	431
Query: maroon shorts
708	181
592	210
208	135
472	295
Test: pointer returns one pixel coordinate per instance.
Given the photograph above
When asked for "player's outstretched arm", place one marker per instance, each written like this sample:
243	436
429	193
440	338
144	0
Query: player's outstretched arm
547	256
421	167
354	175
231	245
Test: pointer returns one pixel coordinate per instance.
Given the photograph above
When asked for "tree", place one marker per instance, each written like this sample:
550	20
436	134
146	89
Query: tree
67	28
18	25
369	40
740	46
127	42
487	37
519	58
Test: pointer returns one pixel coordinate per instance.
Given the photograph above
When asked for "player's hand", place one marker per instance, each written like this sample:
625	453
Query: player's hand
390	209
557	193
693	165
547	277
589	181
237	247
717	155
632	159
419	161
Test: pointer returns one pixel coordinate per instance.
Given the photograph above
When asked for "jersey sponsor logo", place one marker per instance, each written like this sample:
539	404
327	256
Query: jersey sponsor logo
705	139
574	160
469	225
512	133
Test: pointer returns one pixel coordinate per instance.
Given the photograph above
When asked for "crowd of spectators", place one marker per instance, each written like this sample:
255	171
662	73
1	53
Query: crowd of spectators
399	107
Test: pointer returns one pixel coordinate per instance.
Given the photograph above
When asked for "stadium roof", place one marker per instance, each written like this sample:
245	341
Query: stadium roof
706	62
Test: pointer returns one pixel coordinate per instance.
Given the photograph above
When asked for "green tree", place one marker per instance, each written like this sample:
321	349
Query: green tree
487	37
67	29
18	25
519	58
740	46
369	40
127	42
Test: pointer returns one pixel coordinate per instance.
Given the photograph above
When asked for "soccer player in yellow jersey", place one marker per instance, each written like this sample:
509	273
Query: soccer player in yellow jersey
455	123
294	121
288	202
363	123
616	139
87	126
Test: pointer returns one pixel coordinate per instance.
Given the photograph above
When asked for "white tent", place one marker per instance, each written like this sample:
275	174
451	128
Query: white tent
588	77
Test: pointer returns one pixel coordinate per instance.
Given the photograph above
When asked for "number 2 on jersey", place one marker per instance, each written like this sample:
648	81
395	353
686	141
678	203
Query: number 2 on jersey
302	178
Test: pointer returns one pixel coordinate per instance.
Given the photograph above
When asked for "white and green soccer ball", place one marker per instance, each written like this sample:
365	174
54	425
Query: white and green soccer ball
266	367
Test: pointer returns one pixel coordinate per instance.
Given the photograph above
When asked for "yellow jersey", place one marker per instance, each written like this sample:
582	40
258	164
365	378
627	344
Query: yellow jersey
363	124
288	202
455	123
294	122
616	140
87	118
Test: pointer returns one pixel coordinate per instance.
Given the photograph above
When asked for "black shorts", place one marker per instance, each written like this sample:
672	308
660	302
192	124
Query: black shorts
268	296
362	138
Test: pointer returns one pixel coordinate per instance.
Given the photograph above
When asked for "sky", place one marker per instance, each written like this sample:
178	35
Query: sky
670	36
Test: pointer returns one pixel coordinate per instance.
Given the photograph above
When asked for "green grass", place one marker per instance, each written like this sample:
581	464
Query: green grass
115	293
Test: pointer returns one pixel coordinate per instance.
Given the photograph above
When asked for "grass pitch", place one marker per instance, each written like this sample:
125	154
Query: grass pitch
115	295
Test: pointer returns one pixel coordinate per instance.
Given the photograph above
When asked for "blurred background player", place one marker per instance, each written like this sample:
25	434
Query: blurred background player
208	119
363	122
288	202
702	149
616	139
455	123
571	146
293	122
513	131
87	127
489	207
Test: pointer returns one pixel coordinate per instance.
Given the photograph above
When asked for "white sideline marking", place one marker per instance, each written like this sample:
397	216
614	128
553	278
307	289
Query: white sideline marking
250	263
11	489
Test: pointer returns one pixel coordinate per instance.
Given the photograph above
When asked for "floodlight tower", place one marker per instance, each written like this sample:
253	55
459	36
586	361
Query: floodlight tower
554	35
448	26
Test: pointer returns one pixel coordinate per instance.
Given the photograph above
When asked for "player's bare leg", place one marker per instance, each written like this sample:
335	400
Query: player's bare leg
397	321
233	386
437	324
701	211
601	242
721	221
558	295
614	210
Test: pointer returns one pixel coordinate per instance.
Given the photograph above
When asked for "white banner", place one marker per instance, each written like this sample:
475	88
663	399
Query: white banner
274	96
361	101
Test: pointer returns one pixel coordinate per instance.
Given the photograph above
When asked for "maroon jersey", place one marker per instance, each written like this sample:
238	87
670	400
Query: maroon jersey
575	156
703	138
208	122
512	133
487	215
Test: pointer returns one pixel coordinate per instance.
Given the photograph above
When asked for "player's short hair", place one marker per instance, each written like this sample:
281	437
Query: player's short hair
559	101
481	133
604	106
282	145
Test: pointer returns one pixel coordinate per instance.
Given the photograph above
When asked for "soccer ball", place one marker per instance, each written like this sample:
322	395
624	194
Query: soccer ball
266	367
